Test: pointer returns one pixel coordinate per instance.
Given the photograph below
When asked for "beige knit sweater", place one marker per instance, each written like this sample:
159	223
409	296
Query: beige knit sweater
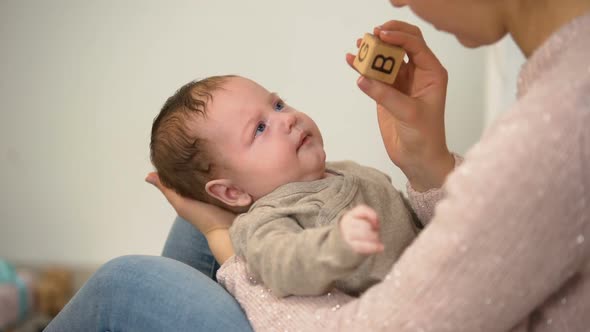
508	247
291	239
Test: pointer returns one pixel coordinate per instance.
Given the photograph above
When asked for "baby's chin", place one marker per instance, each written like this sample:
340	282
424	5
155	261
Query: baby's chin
321	174
316	174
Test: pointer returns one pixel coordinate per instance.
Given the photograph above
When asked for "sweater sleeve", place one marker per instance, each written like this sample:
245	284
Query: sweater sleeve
423	203
510	232
291	260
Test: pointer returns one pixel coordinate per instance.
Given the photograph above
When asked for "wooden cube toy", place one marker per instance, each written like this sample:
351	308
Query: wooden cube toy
378	60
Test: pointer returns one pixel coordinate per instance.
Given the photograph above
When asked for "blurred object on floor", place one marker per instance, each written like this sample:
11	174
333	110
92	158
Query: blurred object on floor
16	294
35	323
53	290
50	287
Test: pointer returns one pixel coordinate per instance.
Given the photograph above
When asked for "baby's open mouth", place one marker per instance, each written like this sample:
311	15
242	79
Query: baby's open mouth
303	140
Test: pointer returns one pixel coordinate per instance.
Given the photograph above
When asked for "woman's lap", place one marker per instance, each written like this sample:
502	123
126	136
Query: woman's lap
152	293
186	244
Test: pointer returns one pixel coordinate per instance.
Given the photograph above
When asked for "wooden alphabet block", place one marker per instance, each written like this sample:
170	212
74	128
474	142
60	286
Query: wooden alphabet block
378	60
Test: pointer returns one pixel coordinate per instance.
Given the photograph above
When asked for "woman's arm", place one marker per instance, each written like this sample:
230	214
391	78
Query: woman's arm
507	242
423	203
411	117
211	220
411	114
220	244
508	237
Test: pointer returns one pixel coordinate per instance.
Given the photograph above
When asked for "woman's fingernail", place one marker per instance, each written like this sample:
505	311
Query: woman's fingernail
363	83
385	33
150	179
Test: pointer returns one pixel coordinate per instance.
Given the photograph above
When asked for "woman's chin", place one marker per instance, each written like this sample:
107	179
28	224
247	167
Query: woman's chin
468	42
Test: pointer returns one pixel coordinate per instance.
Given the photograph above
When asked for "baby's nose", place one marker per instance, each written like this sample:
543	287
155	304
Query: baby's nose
288	120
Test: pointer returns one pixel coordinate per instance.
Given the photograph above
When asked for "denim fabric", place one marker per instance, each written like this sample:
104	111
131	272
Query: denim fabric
151	293
186	244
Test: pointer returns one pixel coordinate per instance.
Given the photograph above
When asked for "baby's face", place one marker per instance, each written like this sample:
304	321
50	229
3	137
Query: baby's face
261	142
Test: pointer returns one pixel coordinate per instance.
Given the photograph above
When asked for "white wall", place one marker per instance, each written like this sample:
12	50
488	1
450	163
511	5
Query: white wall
81	81
503	63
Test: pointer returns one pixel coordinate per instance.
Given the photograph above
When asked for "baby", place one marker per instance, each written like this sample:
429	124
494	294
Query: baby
306	226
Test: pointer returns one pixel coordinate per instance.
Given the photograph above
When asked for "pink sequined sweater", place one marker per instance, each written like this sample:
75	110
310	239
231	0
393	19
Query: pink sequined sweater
508	245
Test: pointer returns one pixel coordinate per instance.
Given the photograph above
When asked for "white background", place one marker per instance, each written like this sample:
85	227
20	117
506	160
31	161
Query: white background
81	81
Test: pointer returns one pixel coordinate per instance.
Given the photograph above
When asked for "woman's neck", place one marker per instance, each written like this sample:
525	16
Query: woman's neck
531	22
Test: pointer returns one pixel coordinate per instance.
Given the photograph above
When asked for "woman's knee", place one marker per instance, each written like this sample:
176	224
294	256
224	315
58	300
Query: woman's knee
144	285
122	269
150	293
138	274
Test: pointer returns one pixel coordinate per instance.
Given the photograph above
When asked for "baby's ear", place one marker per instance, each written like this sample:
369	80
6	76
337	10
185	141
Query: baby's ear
225	191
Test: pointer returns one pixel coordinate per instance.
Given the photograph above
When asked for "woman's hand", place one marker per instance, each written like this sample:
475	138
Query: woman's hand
411	111
206	217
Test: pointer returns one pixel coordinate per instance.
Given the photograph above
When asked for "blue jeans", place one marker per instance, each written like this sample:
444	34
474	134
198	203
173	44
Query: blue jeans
151	293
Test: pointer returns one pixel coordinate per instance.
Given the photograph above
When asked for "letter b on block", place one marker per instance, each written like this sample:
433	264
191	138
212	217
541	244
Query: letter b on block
378	60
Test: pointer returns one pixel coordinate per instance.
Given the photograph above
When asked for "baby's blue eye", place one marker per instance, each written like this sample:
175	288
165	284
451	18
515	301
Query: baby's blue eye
261	127
279	106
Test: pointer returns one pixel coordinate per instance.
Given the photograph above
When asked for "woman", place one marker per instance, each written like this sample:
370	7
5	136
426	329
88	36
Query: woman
507	248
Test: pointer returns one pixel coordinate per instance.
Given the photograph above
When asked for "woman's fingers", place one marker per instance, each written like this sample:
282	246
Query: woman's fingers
399	26
154	179
414	46
410	38
204	216
403	75
398	104
172	196
350	60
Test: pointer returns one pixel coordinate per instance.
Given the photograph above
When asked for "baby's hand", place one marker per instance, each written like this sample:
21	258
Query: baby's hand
360	229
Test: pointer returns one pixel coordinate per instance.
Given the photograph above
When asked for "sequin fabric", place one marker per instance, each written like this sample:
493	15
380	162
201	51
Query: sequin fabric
507	247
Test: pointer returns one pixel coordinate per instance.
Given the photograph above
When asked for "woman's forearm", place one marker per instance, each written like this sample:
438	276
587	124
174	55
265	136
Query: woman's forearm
431	175
220	244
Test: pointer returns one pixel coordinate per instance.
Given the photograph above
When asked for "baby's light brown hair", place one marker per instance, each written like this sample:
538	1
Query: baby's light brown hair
184	161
